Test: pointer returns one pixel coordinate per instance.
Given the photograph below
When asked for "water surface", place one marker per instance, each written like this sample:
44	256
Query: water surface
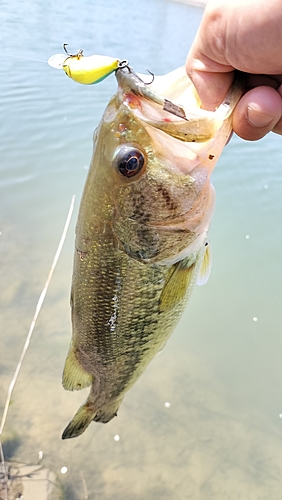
220	435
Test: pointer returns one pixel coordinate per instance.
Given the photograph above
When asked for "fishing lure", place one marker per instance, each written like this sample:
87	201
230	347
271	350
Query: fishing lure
85	69
93	69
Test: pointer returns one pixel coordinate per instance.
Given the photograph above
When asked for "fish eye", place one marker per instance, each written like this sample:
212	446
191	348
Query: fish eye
129	161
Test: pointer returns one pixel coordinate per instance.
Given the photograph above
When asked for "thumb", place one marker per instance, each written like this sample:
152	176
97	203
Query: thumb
212	80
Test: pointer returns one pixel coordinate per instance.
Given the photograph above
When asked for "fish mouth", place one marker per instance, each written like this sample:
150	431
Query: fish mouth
127	78
170	103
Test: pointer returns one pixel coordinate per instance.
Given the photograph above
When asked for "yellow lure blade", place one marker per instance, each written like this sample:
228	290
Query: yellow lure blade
85	69
89	69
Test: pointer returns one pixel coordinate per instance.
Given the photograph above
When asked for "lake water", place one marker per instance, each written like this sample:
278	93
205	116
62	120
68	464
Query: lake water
220	436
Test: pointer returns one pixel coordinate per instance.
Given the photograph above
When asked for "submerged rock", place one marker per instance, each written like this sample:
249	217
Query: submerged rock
28	482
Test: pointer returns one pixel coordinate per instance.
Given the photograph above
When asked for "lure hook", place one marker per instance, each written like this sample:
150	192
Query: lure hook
124	64
145	83
79	53
152	75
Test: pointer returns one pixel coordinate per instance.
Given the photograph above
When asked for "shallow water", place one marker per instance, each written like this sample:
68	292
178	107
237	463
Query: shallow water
221	371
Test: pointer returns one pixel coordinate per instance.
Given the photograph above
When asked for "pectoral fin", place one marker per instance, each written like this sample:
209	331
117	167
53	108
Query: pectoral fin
205	268
74	377
175	289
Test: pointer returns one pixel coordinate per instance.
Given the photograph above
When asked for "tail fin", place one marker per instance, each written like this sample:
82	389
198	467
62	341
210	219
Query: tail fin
79	423
88	412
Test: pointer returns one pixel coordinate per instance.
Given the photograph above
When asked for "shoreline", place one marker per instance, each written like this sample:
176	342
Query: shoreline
196	3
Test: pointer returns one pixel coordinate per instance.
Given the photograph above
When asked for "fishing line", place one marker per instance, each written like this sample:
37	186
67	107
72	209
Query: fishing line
22	57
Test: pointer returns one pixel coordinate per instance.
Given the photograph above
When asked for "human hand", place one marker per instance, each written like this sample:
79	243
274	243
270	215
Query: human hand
244	35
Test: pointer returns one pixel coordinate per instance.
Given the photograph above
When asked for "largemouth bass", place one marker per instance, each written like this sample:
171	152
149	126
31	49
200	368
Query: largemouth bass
141	235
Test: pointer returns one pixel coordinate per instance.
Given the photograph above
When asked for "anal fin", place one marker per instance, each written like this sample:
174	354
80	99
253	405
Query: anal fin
74	377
